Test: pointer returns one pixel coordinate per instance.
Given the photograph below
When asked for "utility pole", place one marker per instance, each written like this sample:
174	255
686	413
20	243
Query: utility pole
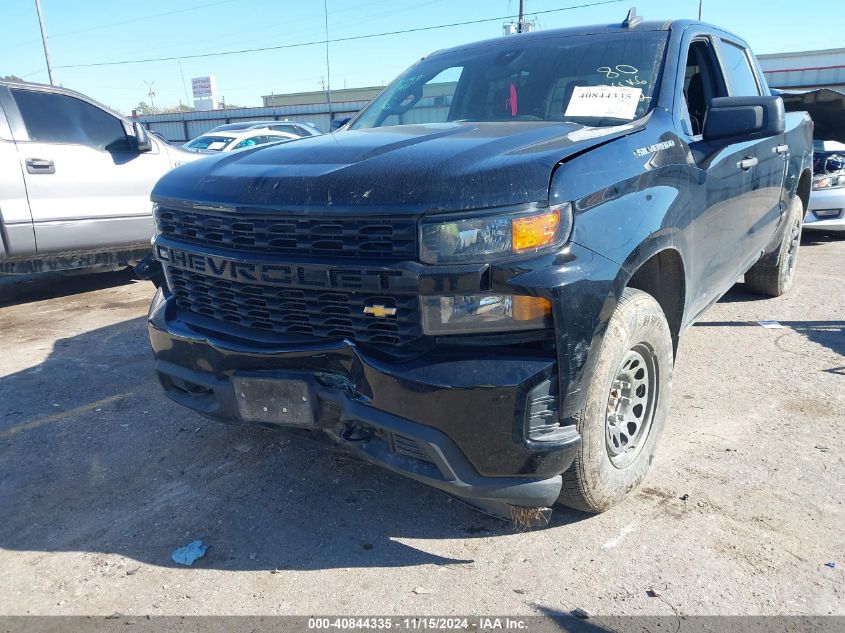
520	26
44	40
184	85
328	68
151	94
700	7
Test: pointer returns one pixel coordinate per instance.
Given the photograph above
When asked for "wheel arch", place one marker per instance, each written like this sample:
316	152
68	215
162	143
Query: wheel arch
805	183
663	277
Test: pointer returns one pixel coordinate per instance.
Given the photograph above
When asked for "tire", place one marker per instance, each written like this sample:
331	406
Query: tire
773	276
636	358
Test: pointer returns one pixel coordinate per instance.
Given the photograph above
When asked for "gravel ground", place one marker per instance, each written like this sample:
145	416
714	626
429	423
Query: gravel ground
101	478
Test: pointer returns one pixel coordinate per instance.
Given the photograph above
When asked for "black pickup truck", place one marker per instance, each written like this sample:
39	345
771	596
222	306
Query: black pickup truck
480	282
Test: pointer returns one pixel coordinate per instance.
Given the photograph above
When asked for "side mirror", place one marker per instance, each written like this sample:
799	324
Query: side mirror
142	139
743	119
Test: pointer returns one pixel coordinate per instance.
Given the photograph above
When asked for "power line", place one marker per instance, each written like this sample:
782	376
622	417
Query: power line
143	18
15	45
330	41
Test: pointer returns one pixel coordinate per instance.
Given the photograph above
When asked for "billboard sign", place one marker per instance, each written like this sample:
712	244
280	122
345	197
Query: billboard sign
203	87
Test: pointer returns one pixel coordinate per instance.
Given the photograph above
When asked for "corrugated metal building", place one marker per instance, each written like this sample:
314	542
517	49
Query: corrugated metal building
183	126
319	96
805	70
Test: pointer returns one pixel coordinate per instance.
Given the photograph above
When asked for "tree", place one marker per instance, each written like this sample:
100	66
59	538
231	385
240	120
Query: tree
143	109
181	108
12	78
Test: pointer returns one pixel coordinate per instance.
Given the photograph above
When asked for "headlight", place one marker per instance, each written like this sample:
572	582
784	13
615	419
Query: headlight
478	240
828	181
474	314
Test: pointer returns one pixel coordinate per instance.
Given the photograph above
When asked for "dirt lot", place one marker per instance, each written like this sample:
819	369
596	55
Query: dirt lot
101	478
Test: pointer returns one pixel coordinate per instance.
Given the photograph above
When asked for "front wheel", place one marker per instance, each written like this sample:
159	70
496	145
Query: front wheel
627	403
773	277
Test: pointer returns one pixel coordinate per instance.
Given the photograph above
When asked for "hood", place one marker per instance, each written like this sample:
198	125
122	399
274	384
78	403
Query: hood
826	107
409	169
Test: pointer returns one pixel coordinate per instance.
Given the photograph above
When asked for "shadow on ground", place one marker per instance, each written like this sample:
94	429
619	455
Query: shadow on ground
94	458
831	334
16	289
811	238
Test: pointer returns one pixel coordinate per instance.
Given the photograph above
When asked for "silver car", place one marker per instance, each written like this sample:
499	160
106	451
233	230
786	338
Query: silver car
826	211
75	181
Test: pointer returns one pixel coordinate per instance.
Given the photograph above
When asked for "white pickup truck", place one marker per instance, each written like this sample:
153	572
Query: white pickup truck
75	181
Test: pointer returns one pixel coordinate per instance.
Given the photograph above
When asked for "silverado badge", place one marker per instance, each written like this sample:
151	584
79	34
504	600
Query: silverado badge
379	311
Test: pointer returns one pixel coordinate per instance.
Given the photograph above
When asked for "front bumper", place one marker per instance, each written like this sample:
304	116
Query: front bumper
455	417
830	205
449	422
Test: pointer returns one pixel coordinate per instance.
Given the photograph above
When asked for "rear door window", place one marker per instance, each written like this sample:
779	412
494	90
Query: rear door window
742	82
290	129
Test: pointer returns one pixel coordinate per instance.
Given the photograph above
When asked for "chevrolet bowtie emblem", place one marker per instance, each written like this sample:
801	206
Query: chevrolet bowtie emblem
379	311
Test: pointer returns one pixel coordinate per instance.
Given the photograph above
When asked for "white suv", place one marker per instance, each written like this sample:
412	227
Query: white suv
226	141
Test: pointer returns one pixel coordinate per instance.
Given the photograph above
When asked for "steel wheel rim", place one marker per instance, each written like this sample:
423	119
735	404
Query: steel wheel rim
630	405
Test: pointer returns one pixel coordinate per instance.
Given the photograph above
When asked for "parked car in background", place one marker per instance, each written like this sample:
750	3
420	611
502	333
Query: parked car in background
227	141
297	128
75	181
826	211
487	295
827	202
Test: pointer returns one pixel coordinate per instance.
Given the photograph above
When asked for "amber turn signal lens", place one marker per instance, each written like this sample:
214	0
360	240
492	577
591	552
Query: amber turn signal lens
530	308
535	231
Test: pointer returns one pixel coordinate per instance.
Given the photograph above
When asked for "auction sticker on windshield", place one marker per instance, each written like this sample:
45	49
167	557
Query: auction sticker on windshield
615	102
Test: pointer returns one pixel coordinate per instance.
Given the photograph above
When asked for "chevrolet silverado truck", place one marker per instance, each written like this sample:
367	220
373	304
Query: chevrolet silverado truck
75	181
481	282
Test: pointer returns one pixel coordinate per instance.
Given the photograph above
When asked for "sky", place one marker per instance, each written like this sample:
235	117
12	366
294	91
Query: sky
94	31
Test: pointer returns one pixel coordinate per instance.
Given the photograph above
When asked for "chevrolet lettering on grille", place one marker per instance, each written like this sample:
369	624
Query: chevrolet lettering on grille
285	275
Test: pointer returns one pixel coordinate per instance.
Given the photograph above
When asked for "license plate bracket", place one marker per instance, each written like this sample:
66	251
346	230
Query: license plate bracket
275	400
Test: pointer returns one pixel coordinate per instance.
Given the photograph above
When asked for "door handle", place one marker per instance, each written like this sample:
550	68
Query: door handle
747	163
781	149
40	166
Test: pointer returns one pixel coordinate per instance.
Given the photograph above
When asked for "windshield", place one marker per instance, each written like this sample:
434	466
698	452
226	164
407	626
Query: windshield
212	143
598	80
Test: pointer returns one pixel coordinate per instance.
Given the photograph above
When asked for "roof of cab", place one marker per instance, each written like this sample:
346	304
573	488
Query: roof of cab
31	85
593	29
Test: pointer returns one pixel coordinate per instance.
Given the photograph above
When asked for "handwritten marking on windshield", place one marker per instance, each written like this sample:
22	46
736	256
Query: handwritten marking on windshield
407	82
629	75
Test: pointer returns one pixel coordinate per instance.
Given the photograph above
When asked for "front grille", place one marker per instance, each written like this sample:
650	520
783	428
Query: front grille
316	313
281	234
